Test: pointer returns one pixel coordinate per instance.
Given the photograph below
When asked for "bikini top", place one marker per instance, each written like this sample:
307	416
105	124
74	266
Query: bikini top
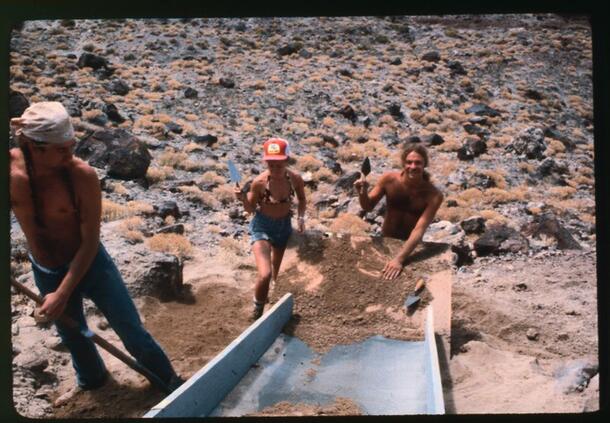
267	194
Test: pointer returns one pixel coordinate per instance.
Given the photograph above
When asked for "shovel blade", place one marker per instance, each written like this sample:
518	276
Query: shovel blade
365	168
411	301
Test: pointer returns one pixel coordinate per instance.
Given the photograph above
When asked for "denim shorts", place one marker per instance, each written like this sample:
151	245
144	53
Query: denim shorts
276	231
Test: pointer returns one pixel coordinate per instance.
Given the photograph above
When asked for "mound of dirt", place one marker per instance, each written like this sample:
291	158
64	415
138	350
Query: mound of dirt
340	295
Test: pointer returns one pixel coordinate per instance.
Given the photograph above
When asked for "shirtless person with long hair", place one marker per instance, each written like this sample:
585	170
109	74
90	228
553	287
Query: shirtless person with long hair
412	203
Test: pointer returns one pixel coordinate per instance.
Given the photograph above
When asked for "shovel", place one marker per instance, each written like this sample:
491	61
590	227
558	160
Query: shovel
153	378
414	298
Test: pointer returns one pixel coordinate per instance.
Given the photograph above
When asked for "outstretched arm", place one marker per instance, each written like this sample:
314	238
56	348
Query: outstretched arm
393	268
88	192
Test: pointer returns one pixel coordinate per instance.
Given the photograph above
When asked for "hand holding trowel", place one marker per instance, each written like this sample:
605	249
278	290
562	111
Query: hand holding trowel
235	178
413	298
365	169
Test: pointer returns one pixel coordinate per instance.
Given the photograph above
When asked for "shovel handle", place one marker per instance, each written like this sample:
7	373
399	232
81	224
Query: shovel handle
419	285
153	378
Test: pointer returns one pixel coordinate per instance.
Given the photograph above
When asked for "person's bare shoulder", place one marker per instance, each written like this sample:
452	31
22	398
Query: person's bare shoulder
259	182
295	177
83	175
18	175
389	177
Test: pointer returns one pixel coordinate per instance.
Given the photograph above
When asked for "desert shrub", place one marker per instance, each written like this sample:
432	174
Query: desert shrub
224	194
349	223
175	244
118	188
157	174
210	177
492	217
454	214
114	211
561	192
194	194
308	162
324	174
171	157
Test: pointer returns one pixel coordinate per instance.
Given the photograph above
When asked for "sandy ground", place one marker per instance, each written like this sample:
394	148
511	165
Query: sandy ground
489	364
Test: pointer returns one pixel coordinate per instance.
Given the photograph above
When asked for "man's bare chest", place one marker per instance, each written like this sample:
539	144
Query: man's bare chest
407	199
55	197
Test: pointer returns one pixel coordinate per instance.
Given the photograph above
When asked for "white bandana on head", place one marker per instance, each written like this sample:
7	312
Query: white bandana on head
47	121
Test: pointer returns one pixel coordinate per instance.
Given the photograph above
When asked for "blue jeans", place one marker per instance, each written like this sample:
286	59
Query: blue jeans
104	285
276	231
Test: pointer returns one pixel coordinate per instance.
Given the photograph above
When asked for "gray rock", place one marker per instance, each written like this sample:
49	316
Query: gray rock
532	334
123	155
118	87
547	224
471	148
173	229
346	182
529	143
444	232
499	239
431	56
158	275
473	225
92	61
433	139
481	109
32	361
168	208
575	375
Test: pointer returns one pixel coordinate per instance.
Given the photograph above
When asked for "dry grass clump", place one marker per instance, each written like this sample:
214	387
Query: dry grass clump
157	174
350	152
493	217
491	196
194	194
313	141
131	229
561	192
224	194
325	175
210	177
171	157
175	244
308	162
113	211
554	147
349	223
454	214
118	188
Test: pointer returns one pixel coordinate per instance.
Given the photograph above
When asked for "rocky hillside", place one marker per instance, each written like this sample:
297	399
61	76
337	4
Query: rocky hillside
504	104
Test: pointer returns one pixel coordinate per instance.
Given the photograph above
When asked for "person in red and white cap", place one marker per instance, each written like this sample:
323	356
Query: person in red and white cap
56	199
270	199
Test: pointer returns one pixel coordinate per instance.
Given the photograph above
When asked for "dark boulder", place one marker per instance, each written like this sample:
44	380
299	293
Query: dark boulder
498	239
168	208
471	148
473	225
433	139
550	132
289	49
118	87
171	229
226	82
91	60
456	68
431	56
395	111
207	139
346	182
481	109
348	112
17	103
118	151
190	93
113	113
160	276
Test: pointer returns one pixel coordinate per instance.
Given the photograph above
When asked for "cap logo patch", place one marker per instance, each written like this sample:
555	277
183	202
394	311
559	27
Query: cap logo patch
273	149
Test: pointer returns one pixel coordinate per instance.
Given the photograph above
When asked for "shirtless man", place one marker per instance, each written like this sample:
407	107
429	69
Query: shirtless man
412	203
56	199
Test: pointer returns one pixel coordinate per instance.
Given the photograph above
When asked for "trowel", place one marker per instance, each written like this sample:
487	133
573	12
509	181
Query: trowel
234	173
413	298
365	168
